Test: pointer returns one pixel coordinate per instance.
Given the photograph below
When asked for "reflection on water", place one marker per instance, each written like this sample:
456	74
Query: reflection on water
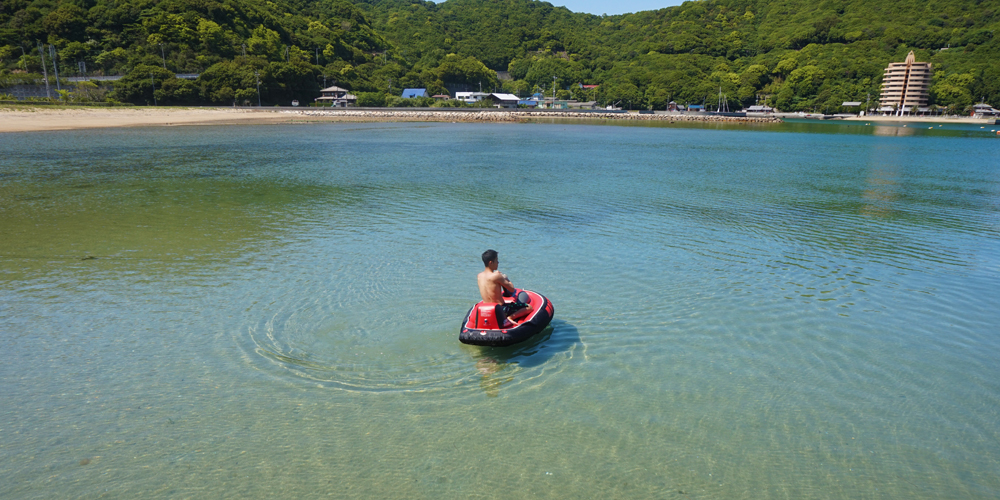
795	311
501	365
893	131
493	375
807	126
883	188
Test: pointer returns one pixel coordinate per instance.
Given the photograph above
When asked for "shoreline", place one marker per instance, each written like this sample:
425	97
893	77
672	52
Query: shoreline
967	120
38	119
27	118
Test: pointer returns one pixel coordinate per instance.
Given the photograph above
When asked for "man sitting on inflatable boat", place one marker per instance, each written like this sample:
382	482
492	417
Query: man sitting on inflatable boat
493	285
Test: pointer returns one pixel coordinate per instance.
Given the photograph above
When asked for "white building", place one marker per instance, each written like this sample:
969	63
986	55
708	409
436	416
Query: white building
470	97
337	97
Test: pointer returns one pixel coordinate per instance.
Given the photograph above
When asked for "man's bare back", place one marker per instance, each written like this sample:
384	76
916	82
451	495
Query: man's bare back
492	283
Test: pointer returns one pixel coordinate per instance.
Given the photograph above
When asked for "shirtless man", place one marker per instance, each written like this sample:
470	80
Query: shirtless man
491	286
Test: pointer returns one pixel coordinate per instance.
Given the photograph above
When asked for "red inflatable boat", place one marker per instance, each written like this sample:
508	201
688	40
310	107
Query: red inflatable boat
480	325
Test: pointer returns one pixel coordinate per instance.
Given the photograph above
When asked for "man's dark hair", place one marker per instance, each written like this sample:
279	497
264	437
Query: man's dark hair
489	256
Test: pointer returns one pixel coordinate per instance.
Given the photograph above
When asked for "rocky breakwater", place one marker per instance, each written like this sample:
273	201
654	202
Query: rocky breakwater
489	115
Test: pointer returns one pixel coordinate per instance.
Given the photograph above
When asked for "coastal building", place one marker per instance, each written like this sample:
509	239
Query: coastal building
905	85
503	100
470	97
851	105
983	110
412	93
550	103
760	108
572	104
441	97
337	97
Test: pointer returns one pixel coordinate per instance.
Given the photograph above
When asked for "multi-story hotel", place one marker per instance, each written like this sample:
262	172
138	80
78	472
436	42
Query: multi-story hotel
904	85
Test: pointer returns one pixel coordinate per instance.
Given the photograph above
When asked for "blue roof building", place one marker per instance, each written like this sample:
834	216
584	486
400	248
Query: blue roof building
411	93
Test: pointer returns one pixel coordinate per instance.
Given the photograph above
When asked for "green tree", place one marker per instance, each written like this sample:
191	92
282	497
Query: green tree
953	92
264	42
136	86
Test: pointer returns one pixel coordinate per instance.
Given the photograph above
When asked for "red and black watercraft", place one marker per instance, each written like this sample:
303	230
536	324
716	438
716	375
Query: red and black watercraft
480	325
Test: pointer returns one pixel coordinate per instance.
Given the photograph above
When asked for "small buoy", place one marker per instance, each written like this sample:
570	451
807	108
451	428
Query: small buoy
930	128
904	126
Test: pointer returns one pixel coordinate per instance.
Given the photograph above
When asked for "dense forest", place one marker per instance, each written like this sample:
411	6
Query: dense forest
795	54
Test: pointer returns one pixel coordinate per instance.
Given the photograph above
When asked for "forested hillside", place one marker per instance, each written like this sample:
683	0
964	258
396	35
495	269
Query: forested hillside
801	54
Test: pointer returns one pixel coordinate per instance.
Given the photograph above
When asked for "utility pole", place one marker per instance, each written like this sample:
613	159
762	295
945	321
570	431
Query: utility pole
257	74
163	56
317	55
45	72
52	52
553	90
154	87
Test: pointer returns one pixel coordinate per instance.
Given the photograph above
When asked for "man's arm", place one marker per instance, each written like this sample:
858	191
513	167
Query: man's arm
501	279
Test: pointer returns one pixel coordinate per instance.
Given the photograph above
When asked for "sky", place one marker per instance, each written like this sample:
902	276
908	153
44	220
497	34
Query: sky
613	7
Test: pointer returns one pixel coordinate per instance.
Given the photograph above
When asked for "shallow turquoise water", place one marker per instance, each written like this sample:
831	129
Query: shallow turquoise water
795	311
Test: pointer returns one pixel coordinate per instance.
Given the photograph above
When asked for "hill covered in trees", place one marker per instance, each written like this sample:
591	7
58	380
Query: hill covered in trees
800	54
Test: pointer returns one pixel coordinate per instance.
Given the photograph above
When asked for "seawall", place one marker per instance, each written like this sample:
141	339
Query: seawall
490	115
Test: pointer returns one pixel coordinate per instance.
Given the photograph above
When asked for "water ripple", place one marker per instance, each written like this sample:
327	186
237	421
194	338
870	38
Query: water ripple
355	346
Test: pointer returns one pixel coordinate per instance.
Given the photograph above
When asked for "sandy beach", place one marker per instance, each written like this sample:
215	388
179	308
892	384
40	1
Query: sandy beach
34	119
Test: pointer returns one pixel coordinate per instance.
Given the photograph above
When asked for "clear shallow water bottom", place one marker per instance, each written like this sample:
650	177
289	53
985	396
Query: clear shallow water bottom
774	312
